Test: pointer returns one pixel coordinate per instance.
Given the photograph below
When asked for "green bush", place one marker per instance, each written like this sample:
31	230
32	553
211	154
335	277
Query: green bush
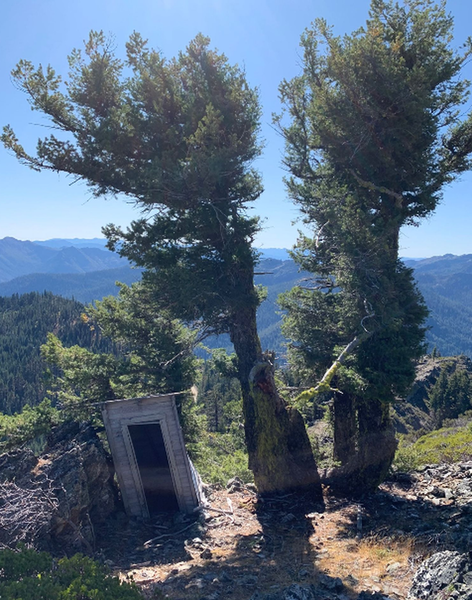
26	426
219	457
407	458
445	445
26	575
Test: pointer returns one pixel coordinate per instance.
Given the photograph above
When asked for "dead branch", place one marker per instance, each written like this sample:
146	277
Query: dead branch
25	513
165	535
324	385
378	188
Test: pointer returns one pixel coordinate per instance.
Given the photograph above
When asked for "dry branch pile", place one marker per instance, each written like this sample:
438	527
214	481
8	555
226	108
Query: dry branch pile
25	514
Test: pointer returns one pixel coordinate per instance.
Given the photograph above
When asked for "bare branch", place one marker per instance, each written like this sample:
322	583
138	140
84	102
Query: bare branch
378	188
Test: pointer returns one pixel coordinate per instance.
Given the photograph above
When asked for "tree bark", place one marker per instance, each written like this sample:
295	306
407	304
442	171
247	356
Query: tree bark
377	443
345	427
368	466
280	454
282	458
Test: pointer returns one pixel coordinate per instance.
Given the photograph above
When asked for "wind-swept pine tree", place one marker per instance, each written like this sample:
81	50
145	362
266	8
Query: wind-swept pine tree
376	129
178	138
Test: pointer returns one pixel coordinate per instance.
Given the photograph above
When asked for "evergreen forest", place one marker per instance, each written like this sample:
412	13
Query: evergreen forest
375	125
25	322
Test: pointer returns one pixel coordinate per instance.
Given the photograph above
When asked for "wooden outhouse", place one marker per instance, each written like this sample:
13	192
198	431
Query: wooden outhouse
153	469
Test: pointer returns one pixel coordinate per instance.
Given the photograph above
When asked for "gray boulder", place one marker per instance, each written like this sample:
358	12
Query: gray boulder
444	576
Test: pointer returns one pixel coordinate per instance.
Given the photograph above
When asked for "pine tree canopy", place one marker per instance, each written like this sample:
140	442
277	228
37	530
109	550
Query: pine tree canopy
375	126
379	113
178	138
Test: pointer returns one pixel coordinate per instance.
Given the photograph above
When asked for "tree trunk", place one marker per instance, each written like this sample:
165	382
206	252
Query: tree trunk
368	466
282	458
280	454
345	427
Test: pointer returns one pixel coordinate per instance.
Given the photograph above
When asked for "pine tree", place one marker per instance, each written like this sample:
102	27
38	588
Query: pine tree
155	354
451	395
179	138
375	131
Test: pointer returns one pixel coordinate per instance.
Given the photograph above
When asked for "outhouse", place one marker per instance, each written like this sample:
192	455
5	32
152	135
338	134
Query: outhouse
151	463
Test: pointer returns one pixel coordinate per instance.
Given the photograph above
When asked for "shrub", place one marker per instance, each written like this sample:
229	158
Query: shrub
448	444
219	457
26	426
28	574
407	458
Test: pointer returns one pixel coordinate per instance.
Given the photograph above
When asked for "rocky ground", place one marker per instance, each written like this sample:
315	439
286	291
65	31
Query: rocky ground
242	548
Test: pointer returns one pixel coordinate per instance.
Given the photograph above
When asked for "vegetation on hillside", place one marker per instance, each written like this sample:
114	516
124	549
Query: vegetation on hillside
451	395
448	444
25	322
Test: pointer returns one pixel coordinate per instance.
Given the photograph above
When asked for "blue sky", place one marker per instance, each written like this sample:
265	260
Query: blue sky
260	35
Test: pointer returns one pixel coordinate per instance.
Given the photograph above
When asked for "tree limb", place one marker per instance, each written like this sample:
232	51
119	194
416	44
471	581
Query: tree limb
324	385
378	188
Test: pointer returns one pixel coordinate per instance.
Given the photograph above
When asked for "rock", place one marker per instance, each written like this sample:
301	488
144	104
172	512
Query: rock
351	580
448	493
444	575
297	592
303	573
334	584
206	554
197	542
393	567
65	492
235	485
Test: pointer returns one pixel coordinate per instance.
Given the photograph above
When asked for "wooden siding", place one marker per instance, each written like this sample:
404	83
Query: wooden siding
118	415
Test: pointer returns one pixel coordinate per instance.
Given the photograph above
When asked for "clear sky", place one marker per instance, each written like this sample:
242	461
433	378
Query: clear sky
260	35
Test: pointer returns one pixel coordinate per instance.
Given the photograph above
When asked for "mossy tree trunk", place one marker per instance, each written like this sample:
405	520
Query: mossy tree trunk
280	454
375	446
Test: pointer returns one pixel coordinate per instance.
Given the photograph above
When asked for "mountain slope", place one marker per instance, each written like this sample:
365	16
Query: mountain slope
76	242
19	258
24	324
445	281
84	287
446	284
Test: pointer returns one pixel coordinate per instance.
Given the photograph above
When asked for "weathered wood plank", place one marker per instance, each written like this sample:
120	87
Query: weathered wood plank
118	415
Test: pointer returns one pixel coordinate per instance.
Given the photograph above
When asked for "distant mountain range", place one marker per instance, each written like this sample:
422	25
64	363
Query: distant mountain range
81	269
60	255
19	258
76	242
84	287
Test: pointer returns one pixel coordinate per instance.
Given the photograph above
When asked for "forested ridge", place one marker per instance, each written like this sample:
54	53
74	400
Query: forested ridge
375	125
23	257
444	281
25	322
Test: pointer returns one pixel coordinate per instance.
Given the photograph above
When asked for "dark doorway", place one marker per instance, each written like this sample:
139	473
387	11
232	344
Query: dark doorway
153	464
